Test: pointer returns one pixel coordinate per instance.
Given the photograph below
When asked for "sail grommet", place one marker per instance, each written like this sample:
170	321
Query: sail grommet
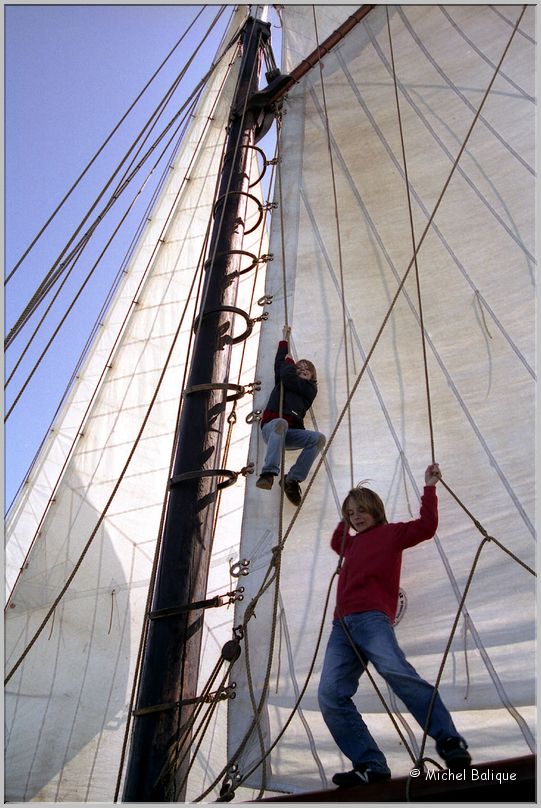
250	196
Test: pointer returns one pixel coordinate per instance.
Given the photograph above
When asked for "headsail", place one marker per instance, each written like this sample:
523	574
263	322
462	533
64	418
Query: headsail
100	483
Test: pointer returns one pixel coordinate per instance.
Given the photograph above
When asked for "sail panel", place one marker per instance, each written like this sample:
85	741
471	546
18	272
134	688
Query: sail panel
345	258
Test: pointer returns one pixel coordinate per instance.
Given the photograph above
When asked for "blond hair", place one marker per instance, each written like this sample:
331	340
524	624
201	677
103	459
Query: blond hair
369	501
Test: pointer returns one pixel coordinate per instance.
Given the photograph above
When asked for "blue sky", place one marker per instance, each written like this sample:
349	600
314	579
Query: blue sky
71	72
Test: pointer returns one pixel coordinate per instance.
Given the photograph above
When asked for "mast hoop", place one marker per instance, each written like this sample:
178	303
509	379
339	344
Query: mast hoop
255	261
192	475
250	196
265	162
234	310
240	389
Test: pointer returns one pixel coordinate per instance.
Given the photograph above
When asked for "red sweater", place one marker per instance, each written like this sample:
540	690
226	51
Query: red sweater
370	575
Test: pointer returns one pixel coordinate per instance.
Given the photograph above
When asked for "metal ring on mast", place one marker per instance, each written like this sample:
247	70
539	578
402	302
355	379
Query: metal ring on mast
233	340
265	164
250	196
191	475
255	261
241	389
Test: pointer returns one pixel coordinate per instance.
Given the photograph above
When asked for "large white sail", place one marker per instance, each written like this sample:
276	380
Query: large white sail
67	703
346	252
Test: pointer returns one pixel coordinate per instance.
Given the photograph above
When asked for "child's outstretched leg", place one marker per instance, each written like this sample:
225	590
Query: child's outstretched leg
342	669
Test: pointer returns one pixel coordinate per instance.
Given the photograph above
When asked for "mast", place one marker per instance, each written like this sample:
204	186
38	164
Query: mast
171	658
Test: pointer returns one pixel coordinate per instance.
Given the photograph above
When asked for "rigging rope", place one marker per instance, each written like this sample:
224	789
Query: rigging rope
59	267
412	229
117	484
101	148
282	541
83	285
338	240
121	330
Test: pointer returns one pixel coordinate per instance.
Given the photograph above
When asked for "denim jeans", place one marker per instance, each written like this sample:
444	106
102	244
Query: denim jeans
375	640
310	442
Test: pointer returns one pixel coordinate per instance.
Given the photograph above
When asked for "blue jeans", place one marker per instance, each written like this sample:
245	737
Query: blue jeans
275	432
375	640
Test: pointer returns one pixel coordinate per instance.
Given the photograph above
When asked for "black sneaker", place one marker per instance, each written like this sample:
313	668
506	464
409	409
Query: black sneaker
363	774
265	481
292	490
454	752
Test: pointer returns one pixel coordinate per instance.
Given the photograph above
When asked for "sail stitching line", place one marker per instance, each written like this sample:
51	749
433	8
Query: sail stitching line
464	174
415	37
421	205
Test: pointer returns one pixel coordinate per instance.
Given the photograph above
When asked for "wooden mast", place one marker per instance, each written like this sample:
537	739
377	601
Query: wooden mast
171	658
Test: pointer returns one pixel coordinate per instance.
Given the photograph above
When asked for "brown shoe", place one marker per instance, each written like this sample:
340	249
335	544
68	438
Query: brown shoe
292	490
265	481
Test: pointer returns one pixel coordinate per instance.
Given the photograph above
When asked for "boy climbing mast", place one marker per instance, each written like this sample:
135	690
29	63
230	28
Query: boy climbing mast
362	632
282	422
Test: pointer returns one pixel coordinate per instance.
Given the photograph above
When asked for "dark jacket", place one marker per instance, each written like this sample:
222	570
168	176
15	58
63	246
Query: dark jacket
298	393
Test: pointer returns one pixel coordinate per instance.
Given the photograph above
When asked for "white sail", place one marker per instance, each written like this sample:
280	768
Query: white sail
476	269
67	703
343	249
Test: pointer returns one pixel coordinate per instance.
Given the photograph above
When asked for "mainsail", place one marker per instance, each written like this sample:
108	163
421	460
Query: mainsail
402	248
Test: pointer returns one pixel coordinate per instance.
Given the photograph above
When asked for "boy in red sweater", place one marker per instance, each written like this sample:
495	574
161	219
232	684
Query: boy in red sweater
362	632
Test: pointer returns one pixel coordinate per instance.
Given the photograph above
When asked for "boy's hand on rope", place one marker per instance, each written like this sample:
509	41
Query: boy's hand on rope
432	474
